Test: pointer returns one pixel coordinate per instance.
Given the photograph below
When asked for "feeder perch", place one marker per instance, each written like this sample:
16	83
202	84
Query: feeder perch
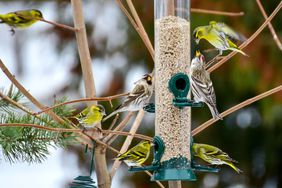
158	153
173	169
179	85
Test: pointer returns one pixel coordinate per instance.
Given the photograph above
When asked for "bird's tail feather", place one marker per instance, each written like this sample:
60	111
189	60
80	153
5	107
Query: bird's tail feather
234	167
240	51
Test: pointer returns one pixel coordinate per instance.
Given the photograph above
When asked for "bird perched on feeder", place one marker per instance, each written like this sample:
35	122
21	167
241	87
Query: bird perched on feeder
138	97
21	19
201	84
91	116
137	155
213	155
218	35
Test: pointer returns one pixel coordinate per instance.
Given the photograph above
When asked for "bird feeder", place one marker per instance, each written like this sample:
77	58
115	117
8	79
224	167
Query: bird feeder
172	63
173	159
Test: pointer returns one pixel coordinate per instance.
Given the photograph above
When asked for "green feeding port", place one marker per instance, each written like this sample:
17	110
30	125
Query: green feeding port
174	169
179	85
159	148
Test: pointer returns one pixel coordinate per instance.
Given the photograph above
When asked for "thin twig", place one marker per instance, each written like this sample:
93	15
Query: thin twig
247	42
120	127
16	104
140	136
137	24
40	127
114	122
59	25
83	100
21	107
140	25
124	10
275	37
128	140
235	108
216	12
26	93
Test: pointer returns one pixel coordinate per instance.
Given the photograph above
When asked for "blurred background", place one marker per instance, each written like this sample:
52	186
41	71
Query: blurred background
45	60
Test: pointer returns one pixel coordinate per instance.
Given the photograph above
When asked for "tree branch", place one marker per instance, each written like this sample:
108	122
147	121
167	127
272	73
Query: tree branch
120	127
247	42
109	98
103	177
137	24
216	12
59	25
26	93
235	108
140	136
275	37
128	140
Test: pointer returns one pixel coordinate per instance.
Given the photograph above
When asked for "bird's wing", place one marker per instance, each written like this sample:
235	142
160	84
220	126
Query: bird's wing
228	31
132	154
83	113
137	92
25	15
202	89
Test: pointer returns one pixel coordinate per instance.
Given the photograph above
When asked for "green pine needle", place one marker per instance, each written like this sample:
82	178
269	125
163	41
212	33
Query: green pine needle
26	143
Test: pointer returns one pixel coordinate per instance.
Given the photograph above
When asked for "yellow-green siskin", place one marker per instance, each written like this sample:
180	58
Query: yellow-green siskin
213	155
216	37
21	19
91	116
137	155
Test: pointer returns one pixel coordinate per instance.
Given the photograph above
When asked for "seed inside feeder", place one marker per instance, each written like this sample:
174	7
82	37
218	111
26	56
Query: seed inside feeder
172	48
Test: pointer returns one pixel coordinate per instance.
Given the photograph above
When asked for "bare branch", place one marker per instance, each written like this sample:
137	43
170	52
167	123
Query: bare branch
216	12
247	42
140	136
83	48
111	137
235	108
128	140
26	93
109	98
58	25
18	105
137	24
275	37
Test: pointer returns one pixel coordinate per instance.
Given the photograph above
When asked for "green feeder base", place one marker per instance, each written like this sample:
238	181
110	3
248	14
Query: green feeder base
174	174
178	168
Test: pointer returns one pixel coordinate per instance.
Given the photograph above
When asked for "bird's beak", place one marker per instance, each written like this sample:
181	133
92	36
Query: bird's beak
152	144
197	41
198	53
104	113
